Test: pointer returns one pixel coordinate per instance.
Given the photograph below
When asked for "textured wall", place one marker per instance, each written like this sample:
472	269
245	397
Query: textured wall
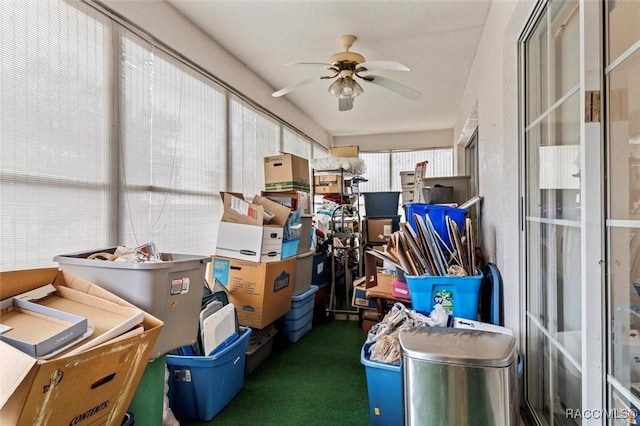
493	86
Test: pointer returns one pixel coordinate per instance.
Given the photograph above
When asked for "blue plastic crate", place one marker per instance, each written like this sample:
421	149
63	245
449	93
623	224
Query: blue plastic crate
459	295
437	215
293	325
201	386
301	304
296	335
384	387
320	269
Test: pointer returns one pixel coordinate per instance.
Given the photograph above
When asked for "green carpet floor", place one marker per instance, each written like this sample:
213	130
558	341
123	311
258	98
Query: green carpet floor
318	380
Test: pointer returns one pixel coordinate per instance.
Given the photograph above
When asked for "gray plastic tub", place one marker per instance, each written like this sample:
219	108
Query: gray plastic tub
171	290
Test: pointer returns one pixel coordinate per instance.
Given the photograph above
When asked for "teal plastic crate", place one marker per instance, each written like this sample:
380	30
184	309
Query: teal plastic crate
458	295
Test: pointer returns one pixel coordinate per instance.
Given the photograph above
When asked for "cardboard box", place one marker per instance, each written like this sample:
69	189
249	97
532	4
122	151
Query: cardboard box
295	200
38	330
359	297
349	151
328	184
407	196
95	386
378	230
261	292
242	233
286	172
383	284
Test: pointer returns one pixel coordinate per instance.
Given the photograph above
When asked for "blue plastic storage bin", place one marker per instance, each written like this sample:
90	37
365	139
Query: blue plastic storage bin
437	215
384	387
320	269
201	386
459	295
381	204
298	320
295	335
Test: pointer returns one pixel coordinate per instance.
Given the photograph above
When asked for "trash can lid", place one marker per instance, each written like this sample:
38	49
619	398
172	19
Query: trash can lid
458	346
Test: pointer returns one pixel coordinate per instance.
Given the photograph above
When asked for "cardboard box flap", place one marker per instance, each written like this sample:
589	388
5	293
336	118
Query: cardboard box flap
281	213
238	210
10	378
13	283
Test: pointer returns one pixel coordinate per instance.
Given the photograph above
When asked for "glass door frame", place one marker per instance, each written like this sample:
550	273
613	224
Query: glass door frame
592	300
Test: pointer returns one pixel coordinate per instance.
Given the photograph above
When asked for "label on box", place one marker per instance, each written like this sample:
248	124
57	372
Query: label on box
182	375
386	230
221	270
243	207
281	282
179	286
444	298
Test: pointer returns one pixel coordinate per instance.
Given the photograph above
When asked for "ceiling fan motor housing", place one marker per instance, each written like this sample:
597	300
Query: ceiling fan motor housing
346	57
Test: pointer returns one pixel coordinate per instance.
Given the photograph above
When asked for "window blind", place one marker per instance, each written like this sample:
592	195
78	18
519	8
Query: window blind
383	168
54	131
253	136
173	156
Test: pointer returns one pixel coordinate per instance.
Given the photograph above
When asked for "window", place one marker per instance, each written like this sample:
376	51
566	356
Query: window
55	155
383	168
252	137
67	183
173	152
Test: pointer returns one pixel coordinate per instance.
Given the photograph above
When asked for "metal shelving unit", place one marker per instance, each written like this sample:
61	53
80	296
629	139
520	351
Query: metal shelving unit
345	240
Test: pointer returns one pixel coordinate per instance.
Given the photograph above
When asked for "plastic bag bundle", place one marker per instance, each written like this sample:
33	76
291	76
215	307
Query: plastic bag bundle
146	253
383	336
387	349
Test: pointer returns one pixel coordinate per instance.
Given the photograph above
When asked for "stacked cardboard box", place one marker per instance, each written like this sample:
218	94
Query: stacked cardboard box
252	231
256	253
408	182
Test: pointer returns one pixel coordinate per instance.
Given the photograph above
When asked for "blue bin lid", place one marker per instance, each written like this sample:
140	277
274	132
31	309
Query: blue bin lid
473	348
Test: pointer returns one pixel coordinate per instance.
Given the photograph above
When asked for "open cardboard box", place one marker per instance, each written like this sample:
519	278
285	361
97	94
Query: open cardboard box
39	330
242	233
94	386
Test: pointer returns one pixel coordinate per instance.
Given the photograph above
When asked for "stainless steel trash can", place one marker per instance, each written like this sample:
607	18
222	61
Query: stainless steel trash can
458	377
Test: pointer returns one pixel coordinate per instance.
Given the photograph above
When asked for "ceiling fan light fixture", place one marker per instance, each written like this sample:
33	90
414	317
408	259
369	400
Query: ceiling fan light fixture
345	87
336	87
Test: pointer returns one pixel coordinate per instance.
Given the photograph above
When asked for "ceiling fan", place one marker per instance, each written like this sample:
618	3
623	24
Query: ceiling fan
347	65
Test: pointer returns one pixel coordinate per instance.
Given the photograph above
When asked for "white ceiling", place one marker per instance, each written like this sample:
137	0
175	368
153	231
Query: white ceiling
436	39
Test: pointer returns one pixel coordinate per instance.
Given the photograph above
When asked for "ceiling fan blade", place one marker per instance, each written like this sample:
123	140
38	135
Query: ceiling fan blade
322	64
288	89
394	86
345	104
384	65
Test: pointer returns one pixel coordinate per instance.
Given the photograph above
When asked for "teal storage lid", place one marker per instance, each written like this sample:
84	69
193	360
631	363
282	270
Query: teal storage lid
473	348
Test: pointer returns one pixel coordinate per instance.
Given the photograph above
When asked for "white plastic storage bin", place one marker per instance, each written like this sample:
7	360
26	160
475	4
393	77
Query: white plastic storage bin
171	290
298	321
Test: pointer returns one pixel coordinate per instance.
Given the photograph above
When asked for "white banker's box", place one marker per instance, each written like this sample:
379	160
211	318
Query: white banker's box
243	234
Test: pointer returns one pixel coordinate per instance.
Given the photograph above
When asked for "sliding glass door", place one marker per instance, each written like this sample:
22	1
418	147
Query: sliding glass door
623	213
562	203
